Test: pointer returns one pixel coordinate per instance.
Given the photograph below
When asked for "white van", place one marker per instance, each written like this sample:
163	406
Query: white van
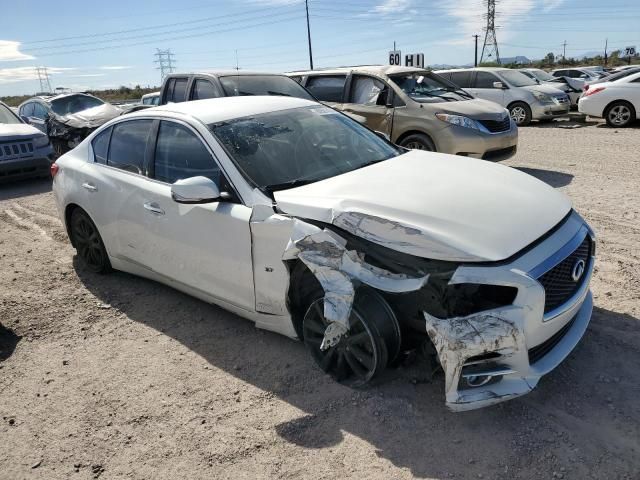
521	95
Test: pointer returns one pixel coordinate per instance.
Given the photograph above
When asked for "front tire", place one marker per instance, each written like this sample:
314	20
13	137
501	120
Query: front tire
620	114
418	141
88	242
520	113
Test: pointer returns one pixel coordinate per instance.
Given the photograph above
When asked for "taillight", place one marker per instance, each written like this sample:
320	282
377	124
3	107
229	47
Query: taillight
54	169
592	91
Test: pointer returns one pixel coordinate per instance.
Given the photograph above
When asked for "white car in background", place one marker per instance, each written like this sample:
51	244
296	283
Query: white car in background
571	86
301	219
618	102
581	73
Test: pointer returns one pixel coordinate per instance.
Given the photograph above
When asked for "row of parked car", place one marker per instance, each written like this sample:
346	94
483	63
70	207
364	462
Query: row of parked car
470	112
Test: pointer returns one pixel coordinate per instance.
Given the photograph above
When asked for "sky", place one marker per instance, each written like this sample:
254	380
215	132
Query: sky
106	44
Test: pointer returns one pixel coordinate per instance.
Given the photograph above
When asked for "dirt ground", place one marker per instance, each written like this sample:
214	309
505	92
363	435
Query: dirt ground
119	377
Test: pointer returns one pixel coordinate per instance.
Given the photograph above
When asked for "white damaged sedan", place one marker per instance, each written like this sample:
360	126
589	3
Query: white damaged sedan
300	219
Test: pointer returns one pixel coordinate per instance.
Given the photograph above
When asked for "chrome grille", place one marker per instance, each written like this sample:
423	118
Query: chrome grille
11	150
559	286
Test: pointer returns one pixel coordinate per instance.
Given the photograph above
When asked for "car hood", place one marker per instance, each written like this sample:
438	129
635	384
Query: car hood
91	117
477	109
9	131
545	89
433	205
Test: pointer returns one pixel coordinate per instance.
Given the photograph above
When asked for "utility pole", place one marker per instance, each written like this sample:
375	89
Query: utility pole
564	51
43	77
606	41
237	67
306	5
475	61
490	42
165	61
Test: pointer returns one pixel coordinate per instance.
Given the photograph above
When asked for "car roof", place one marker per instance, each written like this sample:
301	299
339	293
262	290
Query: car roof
484	69
51	98
225	73
375	69
220	109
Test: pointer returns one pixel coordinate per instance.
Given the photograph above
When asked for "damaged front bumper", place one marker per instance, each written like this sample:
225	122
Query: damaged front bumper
500	354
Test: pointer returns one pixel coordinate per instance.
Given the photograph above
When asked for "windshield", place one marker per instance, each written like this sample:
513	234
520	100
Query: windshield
542	75
74	104
427	86
238	85
7	116
516	79
280	150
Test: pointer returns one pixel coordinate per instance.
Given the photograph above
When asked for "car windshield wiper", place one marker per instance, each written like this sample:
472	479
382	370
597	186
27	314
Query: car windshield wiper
427	94
270	92
371	162
298	182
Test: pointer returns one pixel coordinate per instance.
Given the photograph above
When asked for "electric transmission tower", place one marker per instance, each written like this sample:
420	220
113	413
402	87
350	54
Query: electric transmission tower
165	61
43	77
490	47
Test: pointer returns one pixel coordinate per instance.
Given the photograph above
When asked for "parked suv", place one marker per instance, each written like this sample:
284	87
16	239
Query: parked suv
178	88
24	150
521	95
416	109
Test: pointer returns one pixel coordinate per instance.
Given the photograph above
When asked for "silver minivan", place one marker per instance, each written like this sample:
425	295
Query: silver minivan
521	95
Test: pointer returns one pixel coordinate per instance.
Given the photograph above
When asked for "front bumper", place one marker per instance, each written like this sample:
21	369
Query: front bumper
500	354
469	142
540	111
19	168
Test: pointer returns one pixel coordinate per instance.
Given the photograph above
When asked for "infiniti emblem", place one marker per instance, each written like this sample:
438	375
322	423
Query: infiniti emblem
578	270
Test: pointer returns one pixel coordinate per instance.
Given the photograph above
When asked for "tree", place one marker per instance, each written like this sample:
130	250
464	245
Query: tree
550	58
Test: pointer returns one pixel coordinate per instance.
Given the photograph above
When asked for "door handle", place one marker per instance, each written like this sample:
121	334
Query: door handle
153	208
90	187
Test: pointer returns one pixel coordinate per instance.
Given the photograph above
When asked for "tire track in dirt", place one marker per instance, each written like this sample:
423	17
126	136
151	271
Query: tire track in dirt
27	224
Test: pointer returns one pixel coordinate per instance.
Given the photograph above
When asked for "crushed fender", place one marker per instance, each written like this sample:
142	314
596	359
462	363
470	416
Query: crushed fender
338	270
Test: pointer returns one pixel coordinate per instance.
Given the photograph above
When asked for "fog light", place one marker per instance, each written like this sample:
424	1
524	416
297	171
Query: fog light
478	380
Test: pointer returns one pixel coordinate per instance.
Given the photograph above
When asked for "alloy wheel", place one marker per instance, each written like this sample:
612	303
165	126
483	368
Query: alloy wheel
619	115
88	243
417	146
518	115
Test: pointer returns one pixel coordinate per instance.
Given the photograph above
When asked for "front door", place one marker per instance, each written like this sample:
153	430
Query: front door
483	87
368	98
204	246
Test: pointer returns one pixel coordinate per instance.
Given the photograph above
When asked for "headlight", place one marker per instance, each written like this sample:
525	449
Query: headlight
542	97
40	141
459	120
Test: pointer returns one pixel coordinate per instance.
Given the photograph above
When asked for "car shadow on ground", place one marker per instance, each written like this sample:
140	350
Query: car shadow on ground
23	188
8	342
403	416
550	177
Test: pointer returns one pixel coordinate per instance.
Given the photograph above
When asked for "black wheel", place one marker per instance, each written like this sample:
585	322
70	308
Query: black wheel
88	243
418	141
361	354
520	113
620	114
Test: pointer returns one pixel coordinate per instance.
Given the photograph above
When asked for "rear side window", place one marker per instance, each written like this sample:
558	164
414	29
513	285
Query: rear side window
462	79
327	88
181	154
485	80
100	146
128	145
203	89
39	111
177	90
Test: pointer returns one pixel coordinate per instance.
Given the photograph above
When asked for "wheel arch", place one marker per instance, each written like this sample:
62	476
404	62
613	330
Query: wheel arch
620	100
68	211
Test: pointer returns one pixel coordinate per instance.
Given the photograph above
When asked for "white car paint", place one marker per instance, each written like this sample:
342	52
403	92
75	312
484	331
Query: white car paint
431	205
601	96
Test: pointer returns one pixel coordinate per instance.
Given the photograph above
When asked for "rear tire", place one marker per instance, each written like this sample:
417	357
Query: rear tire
520	113
364	352
88	242
418	141
620	114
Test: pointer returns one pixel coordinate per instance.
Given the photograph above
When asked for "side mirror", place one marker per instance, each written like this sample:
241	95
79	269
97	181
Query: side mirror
383	135
499	85
195	190
24	118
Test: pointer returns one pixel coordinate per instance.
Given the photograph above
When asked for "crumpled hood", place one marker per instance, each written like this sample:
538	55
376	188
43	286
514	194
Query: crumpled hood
433	205
91	117
476	108
10	130
548	89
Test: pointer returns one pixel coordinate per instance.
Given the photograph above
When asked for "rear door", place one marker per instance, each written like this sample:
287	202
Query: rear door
368	97
204	246
39	117
203	88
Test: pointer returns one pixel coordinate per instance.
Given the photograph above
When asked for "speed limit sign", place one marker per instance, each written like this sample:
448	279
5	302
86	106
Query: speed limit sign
395	57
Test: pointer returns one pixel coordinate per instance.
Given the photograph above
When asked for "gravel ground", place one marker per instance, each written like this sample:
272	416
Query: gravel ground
119	377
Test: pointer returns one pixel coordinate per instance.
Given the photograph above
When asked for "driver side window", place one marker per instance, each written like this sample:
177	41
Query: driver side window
181	154
368	91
